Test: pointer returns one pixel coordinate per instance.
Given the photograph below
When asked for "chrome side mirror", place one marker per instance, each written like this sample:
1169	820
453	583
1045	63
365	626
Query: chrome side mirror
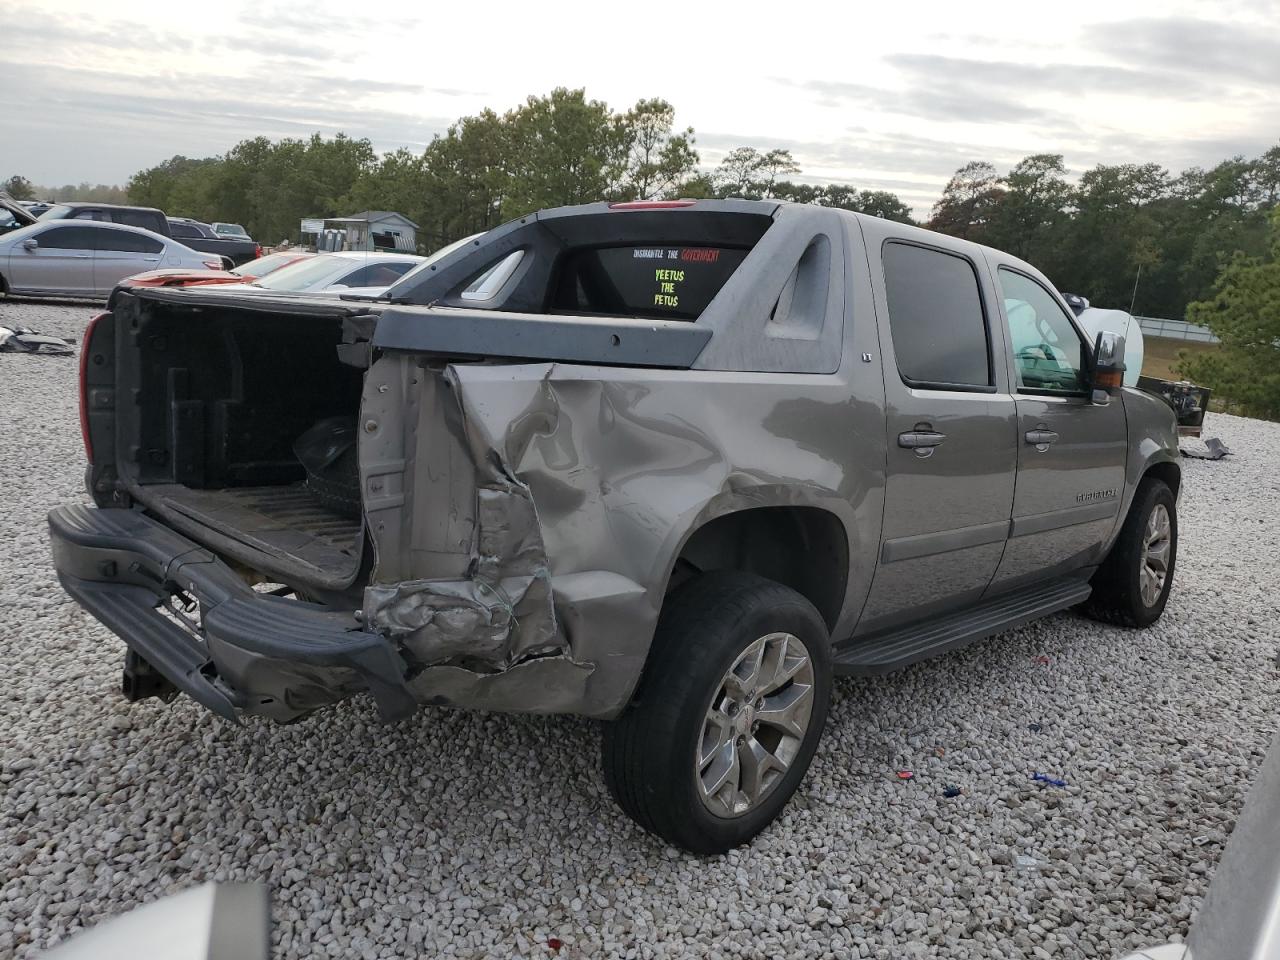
1108	367
31	243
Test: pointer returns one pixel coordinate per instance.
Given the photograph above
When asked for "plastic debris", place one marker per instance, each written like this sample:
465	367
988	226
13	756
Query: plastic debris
1024	862
1214	449
1034	727
1200	841
1045	778
950	791
1042	659
555	943
26	340
906	775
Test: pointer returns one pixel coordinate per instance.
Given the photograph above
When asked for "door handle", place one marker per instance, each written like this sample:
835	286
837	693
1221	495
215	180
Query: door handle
1041	437
920	439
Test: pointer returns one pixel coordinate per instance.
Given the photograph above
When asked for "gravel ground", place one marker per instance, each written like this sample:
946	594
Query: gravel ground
469	835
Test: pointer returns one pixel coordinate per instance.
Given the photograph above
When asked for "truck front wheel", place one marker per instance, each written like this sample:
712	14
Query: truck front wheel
1132	585
729	712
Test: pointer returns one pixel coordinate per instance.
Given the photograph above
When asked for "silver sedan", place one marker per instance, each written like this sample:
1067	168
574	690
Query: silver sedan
85	258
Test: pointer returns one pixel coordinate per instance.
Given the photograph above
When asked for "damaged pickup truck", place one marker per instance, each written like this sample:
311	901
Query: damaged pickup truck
673	465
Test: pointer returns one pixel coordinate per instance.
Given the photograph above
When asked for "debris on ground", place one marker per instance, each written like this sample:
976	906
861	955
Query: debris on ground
950	791
1213	449
1042	659
26	340
1035	727
906	775
1045	778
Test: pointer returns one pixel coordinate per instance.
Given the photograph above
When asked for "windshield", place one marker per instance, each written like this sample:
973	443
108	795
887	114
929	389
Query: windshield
309	274
268	264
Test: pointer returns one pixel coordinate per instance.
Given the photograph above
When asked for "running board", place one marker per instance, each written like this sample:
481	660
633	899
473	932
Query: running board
883	652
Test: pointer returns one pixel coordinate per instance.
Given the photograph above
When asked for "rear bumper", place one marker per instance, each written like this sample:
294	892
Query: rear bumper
225	645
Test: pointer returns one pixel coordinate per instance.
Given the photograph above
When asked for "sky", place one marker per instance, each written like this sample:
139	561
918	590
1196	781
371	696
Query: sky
891	96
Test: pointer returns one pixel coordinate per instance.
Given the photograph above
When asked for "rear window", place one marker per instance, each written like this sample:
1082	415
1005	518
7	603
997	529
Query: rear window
936	318
672	282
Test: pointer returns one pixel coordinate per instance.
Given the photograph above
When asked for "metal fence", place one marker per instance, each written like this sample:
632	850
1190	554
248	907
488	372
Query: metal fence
1175	330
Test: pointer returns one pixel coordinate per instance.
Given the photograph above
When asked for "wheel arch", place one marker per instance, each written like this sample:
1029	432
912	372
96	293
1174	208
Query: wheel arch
1166	471
805	548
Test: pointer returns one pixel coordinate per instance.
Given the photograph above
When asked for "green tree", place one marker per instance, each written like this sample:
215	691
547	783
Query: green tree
657	158
1244	312
748	173
969	202
1027	220
20	188
738	173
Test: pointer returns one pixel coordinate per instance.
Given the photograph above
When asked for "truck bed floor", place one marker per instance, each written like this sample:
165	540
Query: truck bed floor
285	521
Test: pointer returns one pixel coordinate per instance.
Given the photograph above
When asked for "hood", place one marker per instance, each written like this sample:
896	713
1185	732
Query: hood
20	213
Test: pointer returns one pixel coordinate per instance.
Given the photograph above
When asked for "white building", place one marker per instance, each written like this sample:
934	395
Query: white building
366	230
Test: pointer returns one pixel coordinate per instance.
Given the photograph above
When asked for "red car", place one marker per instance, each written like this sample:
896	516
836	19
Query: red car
185	278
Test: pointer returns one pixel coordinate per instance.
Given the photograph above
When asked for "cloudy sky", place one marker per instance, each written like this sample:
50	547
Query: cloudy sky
891	96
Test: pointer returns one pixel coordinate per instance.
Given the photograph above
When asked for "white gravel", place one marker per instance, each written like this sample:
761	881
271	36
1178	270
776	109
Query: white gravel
460	834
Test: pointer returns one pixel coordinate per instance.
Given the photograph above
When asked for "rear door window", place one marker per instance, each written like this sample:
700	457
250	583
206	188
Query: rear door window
67	238
672	282
184	231
126	241
139	218
936	318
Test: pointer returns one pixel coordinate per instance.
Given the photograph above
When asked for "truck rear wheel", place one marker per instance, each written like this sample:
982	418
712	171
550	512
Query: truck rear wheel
1132	585
729	713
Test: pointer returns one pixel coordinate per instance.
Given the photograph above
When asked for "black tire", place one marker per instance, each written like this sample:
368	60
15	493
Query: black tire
1117	584
649	753
338	487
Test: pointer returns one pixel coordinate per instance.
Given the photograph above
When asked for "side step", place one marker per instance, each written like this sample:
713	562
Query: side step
883	652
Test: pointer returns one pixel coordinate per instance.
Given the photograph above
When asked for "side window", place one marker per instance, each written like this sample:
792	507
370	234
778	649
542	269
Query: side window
140	218
1048	354
125	241
183	231
67	238
935	317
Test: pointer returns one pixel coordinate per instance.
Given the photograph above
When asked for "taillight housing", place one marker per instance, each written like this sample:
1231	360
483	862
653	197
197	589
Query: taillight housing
257	251
86	349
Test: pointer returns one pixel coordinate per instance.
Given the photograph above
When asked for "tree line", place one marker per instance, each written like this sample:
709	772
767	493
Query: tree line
1121	234
484	170
1124	234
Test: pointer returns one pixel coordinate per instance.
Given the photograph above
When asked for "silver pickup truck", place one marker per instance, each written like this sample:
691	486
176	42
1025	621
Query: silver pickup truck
674	465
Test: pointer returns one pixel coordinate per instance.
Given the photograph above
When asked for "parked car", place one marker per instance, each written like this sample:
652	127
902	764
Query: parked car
181	278
148	218
200	236
672	465
85	258
233	230
333	271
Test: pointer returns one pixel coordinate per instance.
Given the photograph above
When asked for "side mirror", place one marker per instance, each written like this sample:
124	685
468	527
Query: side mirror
1108	366
31	243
